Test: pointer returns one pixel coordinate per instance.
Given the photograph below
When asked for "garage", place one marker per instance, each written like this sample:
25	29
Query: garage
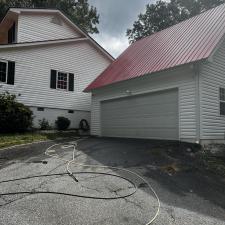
152	116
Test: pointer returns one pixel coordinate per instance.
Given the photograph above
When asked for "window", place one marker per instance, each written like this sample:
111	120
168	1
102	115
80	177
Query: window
3	71
40	109
62	81
7	72
222	101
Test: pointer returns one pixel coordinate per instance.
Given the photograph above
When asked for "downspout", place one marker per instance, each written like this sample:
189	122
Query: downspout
198	102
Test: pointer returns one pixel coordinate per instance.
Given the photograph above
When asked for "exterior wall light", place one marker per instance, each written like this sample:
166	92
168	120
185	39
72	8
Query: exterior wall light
128	92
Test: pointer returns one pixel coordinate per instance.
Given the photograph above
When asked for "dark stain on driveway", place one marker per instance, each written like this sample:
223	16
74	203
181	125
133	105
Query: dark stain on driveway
183	188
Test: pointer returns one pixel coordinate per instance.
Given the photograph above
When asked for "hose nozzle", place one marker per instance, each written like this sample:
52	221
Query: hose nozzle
70	174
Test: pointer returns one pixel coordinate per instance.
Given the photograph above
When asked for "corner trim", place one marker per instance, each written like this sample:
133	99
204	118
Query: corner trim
197	102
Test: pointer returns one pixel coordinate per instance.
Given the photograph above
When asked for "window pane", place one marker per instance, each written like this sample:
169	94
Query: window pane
3	68
222	108
222	94
62	82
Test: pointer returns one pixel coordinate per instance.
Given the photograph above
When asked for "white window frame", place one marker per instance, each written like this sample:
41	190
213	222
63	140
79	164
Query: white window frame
6	78
221	101
57	74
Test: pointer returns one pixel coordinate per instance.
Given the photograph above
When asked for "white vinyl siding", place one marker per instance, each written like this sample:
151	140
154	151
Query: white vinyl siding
182	78
212	79
33	68
41	28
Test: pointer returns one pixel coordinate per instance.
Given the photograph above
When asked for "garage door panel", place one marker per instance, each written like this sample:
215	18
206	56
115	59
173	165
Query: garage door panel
140	103
159	121
144	116
166	110
144	109
141	133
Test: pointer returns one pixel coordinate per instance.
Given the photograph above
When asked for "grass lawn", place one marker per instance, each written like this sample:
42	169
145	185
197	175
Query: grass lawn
7	140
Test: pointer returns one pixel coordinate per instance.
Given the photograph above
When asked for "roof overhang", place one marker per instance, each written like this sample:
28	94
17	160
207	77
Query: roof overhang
191	65
8	20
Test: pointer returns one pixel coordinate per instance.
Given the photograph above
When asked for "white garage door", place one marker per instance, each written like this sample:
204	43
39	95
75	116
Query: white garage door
152	115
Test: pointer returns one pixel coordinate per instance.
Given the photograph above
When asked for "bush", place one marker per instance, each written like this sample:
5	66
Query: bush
44	124
14	116
62	123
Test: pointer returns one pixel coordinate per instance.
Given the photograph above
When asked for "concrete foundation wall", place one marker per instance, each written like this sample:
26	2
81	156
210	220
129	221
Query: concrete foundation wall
51	115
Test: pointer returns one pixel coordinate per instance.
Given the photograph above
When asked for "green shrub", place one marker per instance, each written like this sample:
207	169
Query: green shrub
44	124
62	123
14	116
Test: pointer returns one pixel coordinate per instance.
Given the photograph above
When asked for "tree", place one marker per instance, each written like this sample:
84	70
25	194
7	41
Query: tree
164	14
79	11
157	17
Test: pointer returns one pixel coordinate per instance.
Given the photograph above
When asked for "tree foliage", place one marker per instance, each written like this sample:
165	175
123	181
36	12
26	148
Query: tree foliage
163	14
14	116
195	7
79	11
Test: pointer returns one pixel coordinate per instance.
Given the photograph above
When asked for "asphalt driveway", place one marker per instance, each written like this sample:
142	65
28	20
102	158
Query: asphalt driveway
188	195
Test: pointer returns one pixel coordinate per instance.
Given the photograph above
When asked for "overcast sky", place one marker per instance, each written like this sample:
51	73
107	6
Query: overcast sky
115	17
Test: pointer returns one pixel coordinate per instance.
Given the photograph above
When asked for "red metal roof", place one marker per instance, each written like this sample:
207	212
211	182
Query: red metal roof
189	41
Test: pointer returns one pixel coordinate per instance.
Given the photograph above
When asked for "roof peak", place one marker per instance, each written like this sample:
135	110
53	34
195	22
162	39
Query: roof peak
67	20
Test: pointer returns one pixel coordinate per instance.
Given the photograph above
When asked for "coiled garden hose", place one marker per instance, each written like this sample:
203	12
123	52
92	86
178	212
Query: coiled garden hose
72	174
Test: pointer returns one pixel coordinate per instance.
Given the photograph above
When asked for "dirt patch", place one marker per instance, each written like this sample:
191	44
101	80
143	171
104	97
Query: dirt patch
175	157
213	162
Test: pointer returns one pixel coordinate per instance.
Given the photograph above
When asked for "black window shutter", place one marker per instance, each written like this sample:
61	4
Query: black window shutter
71	82
11	73
53	79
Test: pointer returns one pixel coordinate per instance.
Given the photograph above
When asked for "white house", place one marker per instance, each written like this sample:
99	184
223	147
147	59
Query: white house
47	61
170	85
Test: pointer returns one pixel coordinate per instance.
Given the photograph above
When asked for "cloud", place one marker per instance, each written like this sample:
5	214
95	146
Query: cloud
115	45
116	16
